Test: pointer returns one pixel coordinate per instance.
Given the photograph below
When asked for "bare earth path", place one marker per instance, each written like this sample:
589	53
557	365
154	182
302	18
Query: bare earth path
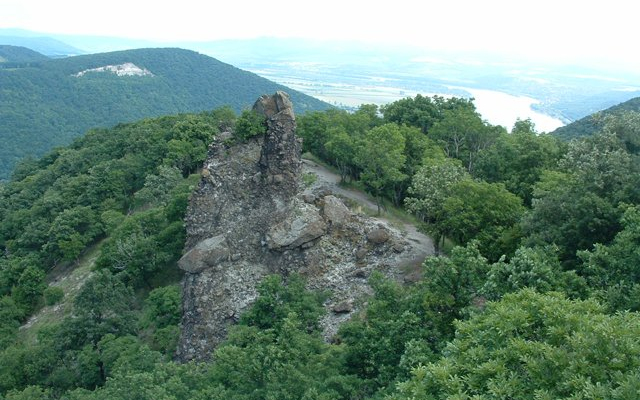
331	179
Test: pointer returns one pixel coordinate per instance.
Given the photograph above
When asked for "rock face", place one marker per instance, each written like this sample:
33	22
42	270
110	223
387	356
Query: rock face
208	253
249	217
297	229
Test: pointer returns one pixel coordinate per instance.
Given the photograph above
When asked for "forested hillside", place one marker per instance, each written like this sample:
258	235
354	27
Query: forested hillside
593	123
46	104
534	296
38	42
12	55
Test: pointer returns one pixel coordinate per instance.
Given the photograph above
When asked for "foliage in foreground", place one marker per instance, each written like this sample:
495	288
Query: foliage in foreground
535	346
532	304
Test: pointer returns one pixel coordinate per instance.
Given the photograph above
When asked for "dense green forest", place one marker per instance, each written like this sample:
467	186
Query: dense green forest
12	55
44	104
593	123
534	294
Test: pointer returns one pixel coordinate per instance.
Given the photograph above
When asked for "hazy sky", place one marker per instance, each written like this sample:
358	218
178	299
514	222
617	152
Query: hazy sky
604	31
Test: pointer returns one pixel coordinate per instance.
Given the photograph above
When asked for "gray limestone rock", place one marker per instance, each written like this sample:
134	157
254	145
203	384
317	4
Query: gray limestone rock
378	236
269	106
301	226
206	254
361	253
343	307
280	163
335	211
309	198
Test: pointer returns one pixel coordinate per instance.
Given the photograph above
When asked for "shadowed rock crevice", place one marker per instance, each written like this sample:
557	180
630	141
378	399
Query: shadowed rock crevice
249	217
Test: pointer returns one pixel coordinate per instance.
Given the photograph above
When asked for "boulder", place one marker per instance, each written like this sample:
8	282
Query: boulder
343	307
309	198
361	253
398	247
298	228
335	211
378	236
206	254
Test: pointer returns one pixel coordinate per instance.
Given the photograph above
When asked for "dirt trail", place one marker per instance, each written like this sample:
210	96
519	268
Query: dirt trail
331	179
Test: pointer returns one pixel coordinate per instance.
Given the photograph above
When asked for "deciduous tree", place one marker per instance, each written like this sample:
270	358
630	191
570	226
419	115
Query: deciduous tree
430	187
535	346
381	158
486	212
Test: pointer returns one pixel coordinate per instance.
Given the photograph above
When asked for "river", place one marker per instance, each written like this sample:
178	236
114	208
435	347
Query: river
500	108
497	108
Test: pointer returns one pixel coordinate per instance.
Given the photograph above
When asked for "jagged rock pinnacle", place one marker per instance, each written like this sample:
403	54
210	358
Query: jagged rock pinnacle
249	217
280	157
279	103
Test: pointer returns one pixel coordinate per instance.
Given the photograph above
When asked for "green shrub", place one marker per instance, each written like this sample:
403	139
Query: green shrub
53	295
309	178
163	307
165	340
535	346
248	125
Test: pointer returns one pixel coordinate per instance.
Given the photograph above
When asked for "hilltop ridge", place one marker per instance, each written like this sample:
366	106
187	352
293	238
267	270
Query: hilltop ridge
591	124
10	56
47	105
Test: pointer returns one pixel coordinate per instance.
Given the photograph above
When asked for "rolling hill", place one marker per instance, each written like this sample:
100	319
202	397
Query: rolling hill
48	103
39	42
18	54
589	125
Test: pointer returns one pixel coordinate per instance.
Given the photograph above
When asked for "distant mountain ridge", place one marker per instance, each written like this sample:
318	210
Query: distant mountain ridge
38	42
352	73
18	54
589	125
47	105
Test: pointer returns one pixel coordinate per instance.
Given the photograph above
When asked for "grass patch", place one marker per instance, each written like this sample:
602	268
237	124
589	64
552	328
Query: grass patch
355	185
53	295
312	157
397	216
400	214
309	178
69	278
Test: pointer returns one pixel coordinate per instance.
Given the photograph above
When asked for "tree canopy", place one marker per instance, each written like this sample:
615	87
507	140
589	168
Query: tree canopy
532	295
535	346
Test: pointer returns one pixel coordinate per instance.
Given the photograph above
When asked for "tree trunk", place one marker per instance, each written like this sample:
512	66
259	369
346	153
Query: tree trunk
103	374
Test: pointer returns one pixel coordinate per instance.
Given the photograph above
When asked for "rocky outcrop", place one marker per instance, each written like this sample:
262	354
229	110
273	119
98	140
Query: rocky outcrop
208	253
335	211
126	69
297	229
280	156
249	217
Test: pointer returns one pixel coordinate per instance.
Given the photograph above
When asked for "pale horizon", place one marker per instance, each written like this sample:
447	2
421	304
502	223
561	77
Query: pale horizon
588	33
